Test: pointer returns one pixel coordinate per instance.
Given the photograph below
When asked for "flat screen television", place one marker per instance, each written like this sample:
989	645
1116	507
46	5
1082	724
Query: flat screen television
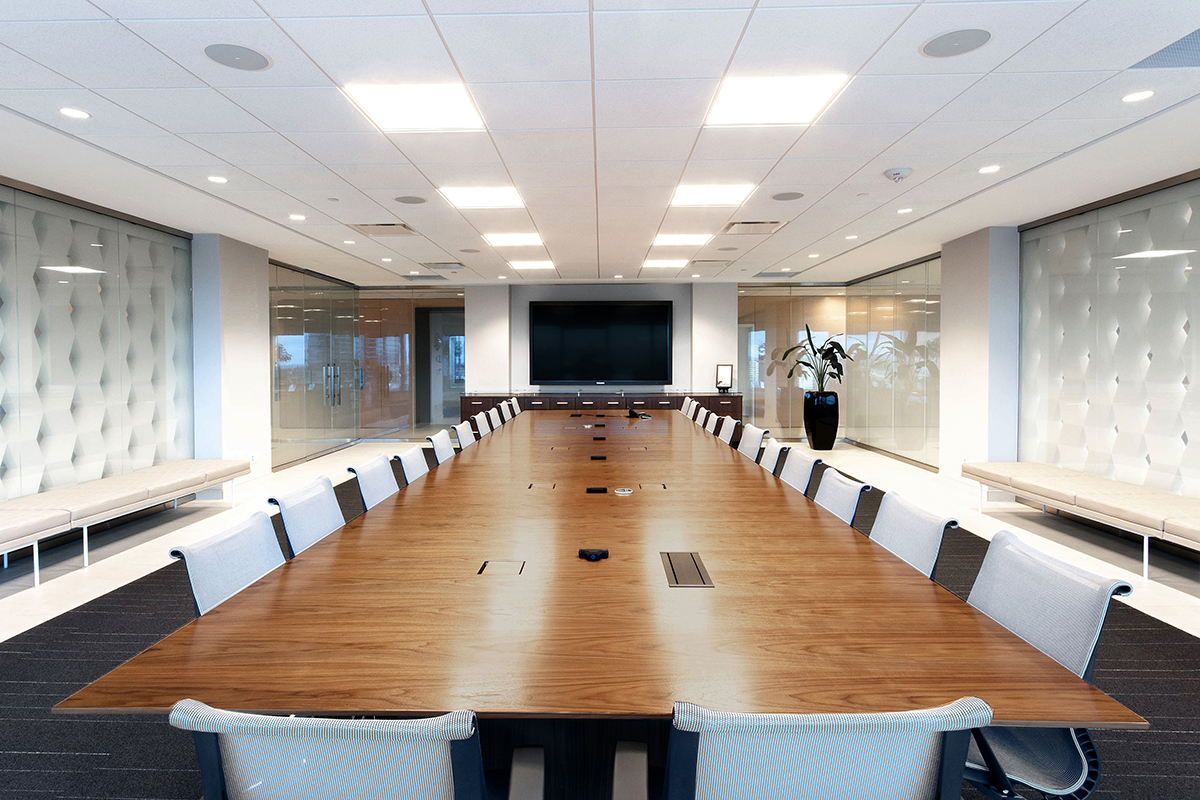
600	342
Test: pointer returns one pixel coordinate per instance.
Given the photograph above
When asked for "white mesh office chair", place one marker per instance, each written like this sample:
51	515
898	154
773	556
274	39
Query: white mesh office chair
262	757
516	407
481	423
413	462
376	481
309	514
494	417
798	469
1059	609
910	532
770	453
728	426
221	566
466	436
686	406
710	422
752	437
699	412
443	447
903	755
506	411
839	494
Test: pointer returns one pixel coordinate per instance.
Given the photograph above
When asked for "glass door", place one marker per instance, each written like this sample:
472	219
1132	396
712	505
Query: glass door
344	366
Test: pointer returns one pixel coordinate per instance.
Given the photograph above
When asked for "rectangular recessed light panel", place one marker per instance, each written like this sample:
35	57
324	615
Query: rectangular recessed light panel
513	239
531	264
75	270
1155	254
773	101
711	195
482	196
665	263
416	107
681	239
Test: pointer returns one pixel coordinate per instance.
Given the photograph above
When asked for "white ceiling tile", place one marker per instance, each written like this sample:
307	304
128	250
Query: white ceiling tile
923	169
557	173
813	171
635	196
187	110
1103	101
497	219
50	9
348	148
847	141
467	174
184	42
288	178
633	218
497	48
645	144
288	109
1017	96
806	41
238	180
276	206
1013	25
1055	135
344	8
578	270
653	104
753	142
155	150
727	171
950	138
250	148
416	248
107	117
570	231
762	206
907	98
561	216
678	5
19	72
352	206
666	44
375	49
638	173
698	219
115	57
435	211
524	106
459	147
545	146
1107	35
383	177
866	198
964	179
156	9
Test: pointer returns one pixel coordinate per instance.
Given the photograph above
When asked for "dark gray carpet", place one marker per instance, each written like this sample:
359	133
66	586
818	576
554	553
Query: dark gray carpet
1149	666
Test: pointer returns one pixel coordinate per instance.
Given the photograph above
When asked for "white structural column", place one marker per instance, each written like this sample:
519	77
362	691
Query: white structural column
487	321
714	332
980	348
232	340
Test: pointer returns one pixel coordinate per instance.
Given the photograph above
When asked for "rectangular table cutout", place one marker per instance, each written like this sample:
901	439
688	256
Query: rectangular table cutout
542	486
599	458
599	438
597	490
652	485
508	567
685	569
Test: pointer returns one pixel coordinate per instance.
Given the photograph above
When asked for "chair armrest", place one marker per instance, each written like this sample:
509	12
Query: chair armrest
629	771
528	778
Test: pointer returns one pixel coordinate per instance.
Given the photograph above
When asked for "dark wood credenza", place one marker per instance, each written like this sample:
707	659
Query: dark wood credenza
723	404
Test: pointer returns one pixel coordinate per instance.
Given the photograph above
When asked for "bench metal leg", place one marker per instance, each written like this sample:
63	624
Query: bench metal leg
1145	558
85	545
982	495
37	567
231	500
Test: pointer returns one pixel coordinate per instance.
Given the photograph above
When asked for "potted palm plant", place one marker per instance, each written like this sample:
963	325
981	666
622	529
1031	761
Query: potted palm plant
824	363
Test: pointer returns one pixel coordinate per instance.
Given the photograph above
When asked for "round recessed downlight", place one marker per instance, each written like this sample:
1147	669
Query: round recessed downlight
218	179
349	241
1136	96
410	200
502	277
74	113
237	57
385	260
414	272
296	217
814	255
785	269
989	170
468	250
956	43
785	196
727	249
851	237
903	210
695	275
618	276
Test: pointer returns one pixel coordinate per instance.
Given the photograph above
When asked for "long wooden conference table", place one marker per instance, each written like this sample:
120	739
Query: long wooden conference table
393	615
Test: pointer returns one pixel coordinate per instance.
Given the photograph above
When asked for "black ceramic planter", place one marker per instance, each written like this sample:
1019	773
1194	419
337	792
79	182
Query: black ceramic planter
821	419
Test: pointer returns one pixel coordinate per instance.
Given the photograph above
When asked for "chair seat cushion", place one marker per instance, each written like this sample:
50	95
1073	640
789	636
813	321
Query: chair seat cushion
17	523
217	469
85	499
1003	471
1140	505
1062	488
1187	528
170	478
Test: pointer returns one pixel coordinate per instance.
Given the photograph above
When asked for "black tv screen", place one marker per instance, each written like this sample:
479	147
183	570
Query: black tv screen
601	342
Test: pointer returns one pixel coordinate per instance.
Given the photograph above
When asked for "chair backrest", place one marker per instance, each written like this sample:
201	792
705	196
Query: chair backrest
917	755
494	416
413	462
481	422
728	426
910	532
1055	606
466	436
443	447
770	453
752	437
221	566
515	405
686	407
798	469
839	494
699	412
376	481
710	424
506	411
277	757
309	514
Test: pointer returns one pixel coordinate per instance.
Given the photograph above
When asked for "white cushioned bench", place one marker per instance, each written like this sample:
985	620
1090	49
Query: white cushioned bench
27	520
1150	513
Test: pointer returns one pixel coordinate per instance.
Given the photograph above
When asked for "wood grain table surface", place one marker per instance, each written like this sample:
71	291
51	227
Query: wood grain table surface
390	616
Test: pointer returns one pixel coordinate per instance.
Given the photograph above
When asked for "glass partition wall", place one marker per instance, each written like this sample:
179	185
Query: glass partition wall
890	326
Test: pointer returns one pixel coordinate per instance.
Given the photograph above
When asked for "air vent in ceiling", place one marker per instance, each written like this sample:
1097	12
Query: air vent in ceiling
751	227
442	265
775	276
386	229
710	263
1183	53
424	278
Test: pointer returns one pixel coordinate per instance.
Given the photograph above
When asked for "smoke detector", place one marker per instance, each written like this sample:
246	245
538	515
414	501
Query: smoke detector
897	174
